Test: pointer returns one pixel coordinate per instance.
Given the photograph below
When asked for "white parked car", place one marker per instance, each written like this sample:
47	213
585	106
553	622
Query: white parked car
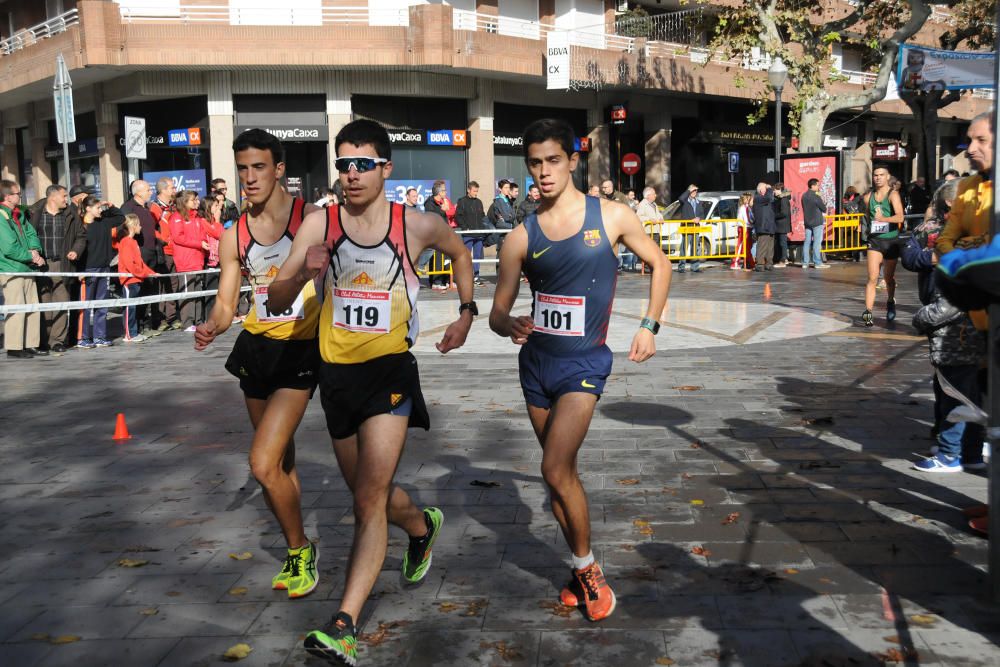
717	238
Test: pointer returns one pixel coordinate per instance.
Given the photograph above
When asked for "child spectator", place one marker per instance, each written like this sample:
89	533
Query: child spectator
130	261
100	220
957	349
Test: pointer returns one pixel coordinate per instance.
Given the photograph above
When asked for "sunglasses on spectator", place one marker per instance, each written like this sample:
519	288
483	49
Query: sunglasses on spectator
360	164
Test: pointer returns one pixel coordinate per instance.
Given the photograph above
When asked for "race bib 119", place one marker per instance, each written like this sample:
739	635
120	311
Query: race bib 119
365	312
560	315
295	312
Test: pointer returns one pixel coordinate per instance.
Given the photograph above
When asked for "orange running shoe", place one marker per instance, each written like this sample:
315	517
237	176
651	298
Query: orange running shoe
598	598
571	593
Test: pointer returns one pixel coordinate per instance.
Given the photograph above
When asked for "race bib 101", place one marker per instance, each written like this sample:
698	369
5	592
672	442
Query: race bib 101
296	311
560	315
365	312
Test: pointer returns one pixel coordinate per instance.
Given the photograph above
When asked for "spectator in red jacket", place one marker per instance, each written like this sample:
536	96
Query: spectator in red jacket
211	213
130	261
187	233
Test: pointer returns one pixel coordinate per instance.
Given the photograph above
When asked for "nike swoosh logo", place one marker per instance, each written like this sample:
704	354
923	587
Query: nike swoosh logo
536	255
588	385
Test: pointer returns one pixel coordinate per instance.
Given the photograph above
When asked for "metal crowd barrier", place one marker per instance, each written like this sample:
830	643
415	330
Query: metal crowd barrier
842	233
713	239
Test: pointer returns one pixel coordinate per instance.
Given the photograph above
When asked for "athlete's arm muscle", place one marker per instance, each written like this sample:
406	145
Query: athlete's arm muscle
228	295
512	257
897	208
307	258
627	228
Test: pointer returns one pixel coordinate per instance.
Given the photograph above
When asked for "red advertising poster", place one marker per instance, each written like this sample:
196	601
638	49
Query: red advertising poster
798	169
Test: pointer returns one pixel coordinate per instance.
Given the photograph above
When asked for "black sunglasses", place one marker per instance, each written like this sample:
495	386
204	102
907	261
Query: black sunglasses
361	164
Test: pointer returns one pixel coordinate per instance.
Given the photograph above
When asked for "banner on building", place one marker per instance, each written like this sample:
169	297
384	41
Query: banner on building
797	170
921	68
395	190
557	60
184	179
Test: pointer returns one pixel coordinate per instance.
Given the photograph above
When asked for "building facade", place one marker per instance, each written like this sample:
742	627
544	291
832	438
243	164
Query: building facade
455	82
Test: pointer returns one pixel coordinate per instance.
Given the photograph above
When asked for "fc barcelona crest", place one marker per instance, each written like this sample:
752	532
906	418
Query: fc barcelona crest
592	237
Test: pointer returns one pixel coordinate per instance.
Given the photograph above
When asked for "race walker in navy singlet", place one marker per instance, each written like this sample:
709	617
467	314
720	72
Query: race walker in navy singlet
566	251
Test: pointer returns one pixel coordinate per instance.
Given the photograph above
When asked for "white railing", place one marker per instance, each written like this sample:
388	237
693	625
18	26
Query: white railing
153	12
36	33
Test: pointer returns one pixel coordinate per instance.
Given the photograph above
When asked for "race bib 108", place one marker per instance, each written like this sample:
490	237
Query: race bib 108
361	311
295	312
560	315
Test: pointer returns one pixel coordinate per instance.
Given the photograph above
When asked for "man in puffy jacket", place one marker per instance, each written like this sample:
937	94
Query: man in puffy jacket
20	252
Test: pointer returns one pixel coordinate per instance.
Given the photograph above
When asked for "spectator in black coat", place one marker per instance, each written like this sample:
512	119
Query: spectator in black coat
469	214
782	224
764	226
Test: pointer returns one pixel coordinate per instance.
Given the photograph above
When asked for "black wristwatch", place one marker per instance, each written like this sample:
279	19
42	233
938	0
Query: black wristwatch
471	307
651	324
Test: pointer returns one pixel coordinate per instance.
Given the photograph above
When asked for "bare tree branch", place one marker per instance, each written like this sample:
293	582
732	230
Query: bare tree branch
849	20
919	13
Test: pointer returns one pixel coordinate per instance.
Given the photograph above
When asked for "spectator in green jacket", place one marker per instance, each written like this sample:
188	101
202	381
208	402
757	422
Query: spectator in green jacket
20	252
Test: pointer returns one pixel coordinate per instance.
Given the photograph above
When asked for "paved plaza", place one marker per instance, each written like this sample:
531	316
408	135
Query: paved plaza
750	491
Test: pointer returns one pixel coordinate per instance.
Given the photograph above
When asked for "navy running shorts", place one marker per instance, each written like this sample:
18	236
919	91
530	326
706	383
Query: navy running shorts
545	377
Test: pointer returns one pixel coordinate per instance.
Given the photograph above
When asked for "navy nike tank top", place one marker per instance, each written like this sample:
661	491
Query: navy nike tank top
572	285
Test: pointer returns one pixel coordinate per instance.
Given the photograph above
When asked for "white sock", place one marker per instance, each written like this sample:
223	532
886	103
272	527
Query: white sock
580	562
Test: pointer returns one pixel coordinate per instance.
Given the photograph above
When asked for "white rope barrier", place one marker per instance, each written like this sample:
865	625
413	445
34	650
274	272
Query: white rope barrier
107	303
97	274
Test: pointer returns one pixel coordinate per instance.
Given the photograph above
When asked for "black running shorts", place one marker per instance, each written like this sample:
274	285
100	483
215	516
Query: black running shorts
354	393
889	248
265	365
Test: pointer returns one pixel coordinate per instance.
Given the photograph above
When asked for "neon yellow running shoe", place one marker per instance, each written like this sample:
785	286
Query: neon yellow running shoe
417	559
340	647
300	574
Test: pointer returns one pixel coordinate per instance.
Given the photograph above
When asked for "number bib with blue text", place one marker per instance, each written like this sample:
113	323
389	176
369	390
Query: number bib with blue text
296	311
361	311
560	315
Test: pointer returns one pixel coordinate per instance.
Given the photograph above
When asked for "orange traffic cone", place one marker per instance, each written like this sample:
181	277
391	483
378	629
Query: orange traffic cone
767	290
121	429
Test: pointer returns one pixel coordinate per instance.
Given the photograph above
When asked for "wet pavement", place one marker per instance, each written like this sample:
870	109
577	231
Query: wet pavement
750	491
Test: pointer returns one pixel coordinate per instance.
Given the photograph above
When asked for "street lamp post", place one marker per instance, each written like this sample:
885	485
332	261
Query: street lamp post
777	74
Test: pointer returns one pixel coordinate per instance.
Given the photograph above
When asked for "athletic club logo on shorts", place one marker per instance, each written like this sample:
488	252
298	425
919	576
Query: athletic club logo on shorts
395	399
592	237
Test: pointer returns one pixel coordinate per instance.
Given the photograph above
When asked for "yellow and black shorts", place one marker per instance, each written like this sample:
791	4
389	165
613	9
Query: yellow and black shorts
353	393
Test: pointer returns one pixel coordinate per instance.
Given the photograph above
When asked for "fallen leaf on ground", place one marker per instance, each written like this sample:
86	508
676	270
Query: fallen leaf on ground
132	562
695	445
791	570
731	518
557	609
701	551
180	523
627	482
687	387
507	653
474	608
139	548
892	639
151	611
238	590
896	655
818	421
246	555
924	619
697	502
381	633
65	639
488	485
664	661
447	606
236	652
40	636
174	594
824	580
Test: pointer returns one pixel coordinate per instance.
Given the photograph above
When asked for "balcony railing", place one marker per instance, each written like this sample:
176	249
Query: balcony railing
36	33
157	11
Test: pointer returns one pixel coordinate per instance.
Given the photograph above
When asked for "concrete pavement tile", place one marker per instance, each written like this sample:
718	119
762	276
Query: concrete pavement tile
24	655
459	649
94	592
208	651
109	652
600	647
764	610
198	620
767	554
702	647
868	553
959	647
512	581
796	531
421	614
86	622
292	617
864	648
888	611
824	579
172	589
15	616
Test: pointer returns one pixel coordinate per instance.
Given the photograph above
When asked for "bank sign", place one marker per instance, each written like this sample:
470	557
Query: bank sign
190	136
184	179
442	138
